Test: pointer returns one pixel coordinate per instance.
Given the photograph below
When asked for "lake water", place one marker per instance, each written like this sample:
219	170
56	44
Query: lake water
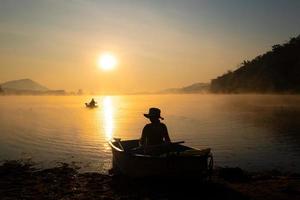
255	132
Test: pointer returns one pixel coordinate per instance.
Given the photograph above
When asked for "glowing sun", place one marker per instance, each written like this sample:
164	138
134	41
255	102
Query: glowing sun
107	61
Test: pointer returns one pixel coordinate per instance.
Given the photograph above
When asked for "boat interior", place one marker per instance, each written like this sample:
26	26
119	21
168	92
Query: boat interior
133	147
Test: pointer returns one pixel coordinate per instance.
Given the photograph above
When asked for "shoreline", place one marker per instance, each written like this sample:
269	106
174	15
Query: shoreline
21	180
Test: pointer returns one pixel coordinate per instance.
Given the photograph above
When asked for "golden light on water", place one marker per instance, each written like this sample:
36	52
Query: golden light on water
108	118
107	61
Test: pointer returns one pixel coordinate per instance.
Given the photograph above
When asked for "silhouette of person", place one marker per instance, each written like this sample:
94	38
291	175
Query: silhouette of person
93	102
155	133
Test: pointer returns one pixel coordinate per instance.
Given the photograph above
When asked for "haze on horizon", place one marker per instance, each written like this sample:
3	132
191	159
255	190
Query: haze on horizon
158	43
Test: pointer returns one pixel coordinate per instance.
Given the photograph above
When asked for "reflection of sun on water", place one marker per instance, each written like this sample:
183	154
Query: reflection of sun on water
108	117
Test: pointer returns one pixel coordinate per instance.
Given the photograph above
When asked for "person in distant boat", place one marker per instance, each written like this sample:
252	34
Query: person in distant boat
155	133
93	102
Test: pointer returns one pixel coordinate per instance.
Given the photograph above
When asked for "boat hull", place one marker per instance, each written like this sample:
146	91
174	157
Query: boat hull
90	106
175	165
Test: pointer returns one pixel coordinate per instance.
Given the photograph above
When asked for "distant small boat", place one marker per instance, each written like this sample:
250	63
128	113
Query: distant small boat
88	105
180	161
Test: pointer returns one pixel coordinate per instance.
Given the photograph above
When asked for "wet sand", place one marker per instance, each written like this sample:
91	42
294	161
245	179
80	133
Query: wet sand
21	180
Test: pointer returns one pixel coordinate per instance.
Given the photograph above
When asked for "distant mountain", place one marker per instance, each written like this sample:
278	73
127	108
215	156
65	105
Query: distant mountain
23	85
194	88
276	71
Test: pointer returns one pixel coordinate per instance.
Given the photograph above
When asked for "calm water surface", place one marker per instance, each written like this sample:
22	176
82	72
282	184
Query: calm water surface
255	132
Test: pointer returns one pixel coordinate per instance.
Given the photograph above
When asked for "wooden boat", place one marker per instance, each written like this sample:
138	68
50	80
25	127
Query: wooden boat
174	160
90	105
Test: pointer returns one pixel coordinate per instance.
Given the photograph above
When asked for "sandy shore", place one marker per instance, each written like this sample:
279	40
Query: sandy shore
19	180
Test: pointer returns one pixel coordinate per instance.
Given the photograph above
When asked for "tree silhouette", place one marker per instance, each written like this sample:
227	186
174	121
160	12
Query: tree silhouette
275	71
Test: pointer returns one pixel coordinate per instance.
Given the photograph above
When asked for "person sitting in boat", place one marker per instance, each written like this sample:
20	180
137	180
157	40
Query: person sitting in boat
155	133
93	102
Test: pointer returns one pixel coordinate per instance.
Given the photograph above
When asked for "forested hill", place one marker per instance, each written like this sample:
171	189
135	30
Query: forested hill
23	85
277	71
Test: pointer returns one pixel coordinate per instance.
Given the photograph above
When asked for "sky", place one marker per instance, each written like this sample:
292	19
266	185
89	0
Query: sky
158	43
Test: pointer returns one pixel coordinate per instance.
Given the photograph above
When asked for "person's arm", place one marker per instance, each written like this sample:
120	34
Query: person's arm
143	138
166	134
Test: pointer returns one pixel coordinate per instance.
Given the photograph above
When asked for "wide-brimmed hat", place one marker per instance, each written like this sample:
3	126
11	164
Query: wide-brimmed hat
154	112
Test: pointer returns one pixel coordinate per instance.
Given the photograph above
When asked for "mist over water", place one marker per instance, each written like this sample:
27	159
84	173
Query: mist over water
255	132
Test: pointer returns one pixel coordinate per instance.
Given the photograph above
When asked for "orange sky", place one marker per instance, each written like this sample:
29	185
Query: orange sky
158	44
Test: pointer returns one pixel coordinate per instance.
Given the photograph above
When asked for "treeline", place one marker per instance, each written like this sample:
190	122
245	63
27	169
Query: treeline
277	71
190	89
31	92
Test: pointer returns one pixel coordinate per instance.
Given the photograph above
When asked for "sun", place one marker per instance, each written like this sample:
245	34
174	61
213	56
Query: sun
107	61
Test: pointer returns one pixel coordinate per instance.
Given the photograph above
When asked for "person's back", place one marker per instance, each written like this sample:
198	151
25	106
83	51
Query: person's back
93	102
155	133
